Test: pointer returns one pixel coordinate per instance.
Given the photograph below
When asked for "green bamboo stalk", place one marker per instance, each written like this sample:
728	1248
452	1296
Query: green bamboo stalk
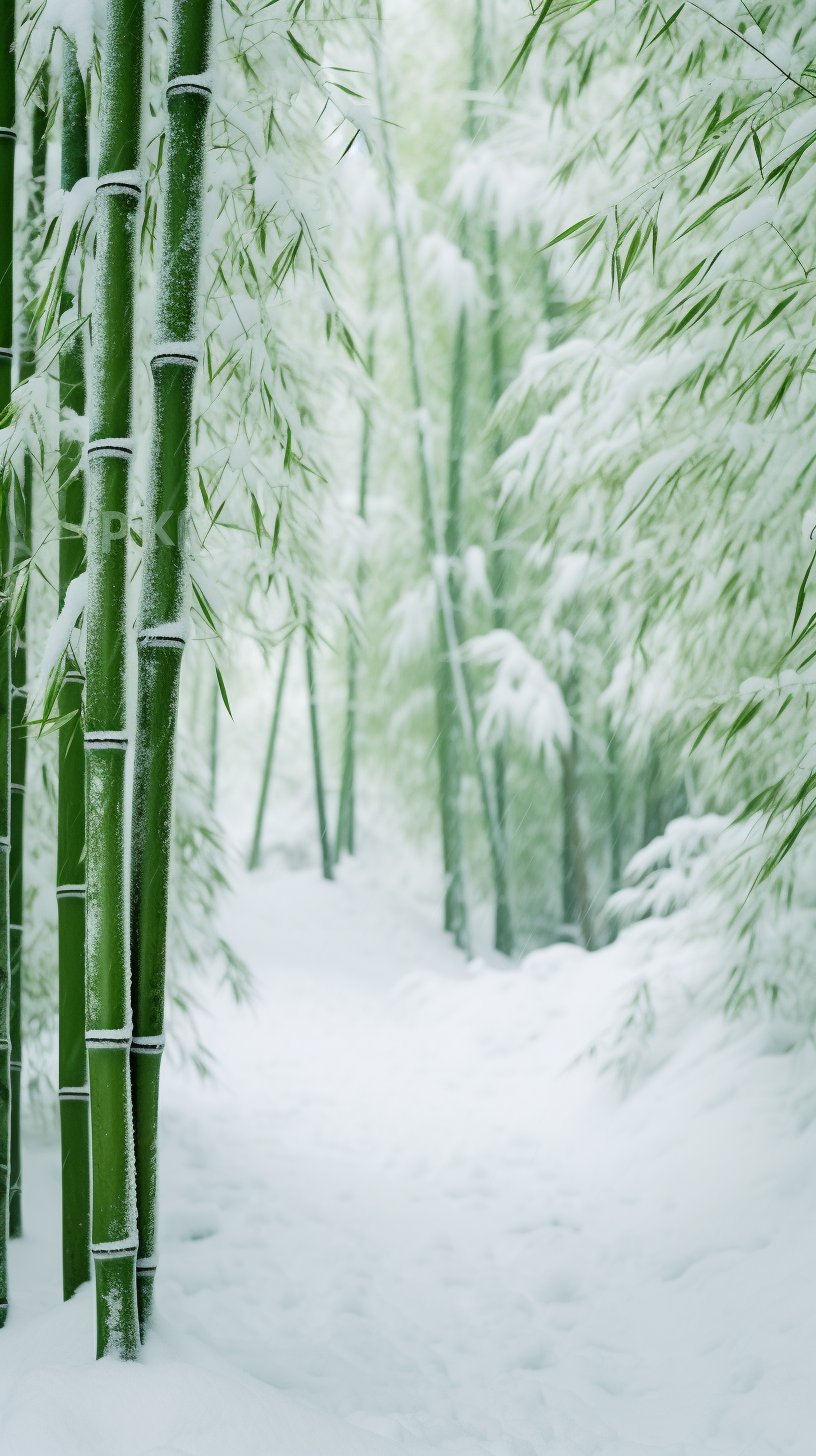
456	911
346	827
7	140
455	905
19	664
161	627
503	930
575	881
450	660
613	771
254	859
326	856
73	1061
215	702
110	449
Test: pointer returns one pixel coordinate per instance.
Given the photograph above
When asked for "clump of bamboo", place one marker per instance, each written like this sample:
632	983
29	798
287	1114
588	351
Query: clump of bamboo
161	633
7	141
73	1079
110	449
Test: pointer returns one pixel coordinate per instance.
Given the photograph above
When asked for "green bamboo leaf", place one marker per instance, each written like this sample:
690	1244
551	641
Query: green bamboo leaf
569	232
800	597
523	54
715	207
223	690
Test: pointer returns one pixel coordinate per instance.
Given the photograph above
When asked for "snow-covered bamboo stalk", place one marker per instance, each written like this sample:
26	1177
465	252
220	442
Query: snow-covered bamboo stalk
110	450
212	745
450	659
73	1062
346	827
455	912
503	933
19	660
577	908
254	859
326	856
7	148
161	633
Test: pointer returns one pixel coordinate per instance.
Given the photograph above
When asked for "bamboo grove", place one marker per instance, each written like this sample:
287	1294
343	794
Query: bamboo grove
111	985
242	312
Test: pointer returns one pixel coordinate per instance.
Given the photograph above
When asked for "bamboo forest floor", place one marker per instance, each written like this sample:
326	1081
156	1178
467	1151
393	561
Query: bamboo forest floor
414	1215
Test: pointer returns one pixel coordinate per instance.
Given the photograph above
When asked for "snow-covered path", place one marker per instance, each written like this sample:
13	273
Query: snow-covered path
407	1216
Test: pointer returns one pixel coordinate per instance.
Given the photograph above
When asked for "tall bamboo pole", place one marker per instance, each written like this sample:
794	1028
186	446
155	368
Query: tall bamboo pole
19	661
7	148
110	449
266	777
215	702
503	936
450	647
326	856
161	634
577	907
73	1062
455	906
346	827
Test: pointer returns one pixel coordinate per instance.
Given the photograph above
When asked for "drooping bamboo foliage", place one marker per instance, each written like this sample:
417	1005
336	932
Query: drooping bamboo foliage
73	1068
254	859
346	816
324	834
161	634
7	148
23	504
110	449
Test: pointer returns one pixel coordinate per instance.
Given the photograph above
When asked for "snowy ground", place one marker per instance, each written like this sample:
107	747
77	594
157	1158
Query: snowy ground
412	1216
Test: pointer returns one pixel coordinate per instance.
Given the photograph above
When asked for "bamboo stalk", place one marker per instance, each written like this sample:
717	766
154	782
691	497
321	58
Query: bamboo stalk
455	906
108	1027
19	664
254	859
164	596
73	1061
451	657
326	856
503	930
346	827
575	882
7	148
215	699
